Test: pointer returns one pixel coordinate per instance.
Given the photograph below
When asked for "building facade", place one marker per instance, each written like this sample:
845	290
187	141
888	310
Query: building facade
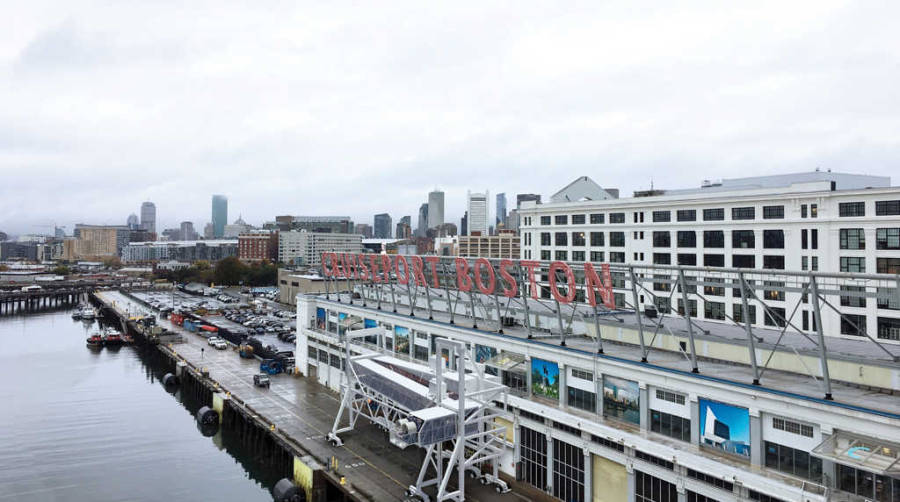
500	213
435	208
382	226
477	213
829	222
503	245
100	241
258	245
317	224
422	226
219	215
306	248
180	251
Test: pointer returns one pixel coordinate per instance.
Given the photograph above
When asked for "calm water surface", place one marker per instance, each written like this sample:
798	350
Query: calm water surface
78	424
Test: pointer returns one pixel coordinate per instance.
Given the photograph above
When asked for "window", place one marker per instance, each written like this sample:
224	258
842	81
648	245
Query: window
803	211
852	238
545	220
672	397
582	399
852	324
777	291
652	489
617	217
715	286
887	238
533	450
662	258
714	214
743	261
792	461
662	216
888	299
743	239
545	254
578	219
714	310
577	255
773	212
813	210
561	238
597	218
583	375
866	484
597	239
692	305
814	238
608	443
714	260
711	480
545	238
773	262
687	259
713	239
616	257
887	265
687	239
887	208
561	256
773	239
578	239
743	213
662	303
854	297
737	313
618	279
762	497
662	239
597	256
617	239
697	497
853	264
849	209
793	427
686	215
775	317
888	328
653	459
561	219
804	239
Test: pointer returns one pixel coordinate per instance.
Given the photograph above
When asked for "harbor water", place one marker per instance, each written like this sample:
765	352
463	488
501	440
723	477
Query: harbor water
84	424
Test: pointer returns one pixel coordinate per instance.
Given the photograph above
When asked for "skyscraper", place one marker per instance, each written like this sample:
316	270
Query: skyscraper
382	226
435	209
477	209
219	215
464	224
501	211
148	216
133	222
422	227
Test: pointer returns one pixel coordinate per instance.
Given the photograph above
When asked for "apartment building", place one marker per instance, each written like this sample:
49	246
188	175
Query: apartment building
306	248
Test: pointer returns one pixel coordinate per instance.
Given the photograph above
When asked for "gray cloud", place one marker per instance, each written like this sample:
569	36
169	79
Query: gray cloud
346	108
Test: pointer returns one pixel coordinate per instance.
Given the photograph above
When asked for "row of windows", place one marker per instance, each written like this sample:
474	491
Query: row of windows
670	425
845	209
858	264
793	461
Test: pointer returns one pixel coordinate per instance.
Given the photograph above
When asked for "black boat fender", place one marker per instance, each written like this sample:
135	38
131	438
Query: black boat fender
287	491
169	380
207	415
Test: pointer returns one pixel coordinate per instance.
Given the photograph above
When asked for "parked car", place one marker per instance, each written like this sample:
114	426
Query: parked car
220	344
261	380
213	339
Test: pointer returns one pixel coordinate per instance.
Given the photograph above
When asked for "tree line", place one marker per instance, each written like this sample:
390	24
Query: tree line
227	272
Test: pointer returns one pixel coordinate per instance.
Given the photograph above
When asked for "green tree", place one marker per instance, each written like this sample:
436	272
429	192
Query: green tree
229	271
61	270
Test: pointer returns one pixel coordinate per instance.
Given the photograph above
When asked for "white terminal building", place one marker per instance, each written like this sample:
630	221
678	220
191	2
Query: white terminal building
736	399
816	221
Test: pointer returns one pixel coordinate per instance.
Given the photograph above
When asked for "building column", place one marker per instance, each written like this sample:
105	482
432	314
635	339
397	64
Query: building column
598	391
629	471
695	419
829	468
644	404
563	393
755	437
588	474
528	377
549	436
680	490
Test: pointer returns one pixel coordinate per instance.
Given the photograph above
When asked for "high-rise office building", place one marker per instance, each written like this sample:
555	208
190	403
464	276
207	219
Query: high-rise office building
522	197
219	215
382	226
148	216
464	224
477	209
133	222
422	227
500	220
187	231
435	209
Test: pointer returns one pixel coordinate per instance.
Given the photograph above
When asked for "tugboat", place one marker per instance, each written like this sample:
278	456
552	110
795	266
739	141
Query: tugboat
112	338
95	340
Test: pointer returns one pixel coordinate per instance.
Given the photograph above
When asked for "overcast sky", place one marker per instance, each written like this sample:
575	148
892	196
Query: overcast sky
357	108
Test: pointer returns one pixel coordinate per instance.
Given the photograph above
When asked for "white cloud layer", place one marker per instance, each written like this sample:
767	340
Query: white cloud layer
362	107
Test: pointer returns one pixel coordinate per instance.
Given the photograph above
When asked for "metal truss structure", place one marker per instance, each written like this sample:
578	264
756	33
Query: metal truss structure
655	296
427	408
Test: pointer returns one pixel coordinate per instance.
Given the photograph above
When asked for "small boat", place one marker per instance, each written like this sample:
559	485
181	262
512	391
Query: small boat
84	312
112	338
95	340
